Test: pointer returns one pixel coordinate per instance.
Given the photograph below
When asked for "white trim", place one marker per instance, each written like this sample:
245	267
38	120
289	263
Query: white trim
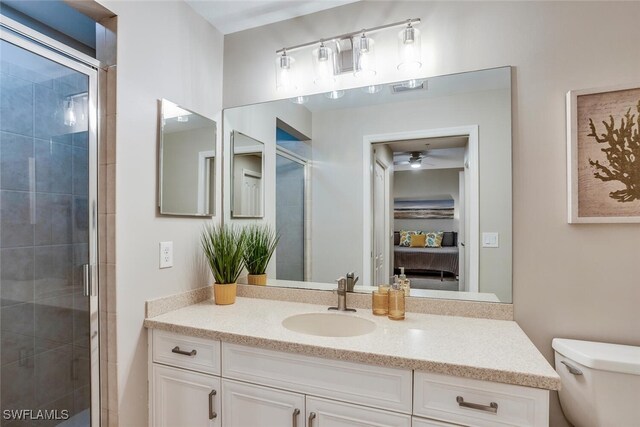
473	247
572	158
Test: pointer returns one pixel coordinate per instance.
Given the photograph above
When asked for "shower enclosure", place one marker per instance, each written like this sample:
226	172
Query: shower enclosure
48	242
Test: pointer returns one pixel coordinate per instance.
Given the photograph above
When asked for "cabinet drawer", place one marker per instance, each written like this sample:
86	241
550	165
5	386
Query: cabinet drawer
469	402
379	387
327	413
186	352
423	422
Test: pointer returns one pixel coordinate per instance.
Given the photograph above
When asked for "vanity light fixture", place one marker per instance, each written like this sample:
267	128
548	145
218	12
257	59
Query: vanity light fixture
285	72
409	48
349	53
364	59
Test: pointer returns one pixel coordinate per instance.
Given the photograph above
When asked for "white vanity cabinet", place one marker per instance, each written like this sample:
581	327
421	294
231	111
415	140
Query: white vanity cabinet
198	382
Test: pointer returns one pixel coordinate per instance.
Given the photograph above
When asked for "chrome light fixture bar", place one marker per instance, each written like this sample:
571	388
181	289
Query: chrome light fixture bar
407	22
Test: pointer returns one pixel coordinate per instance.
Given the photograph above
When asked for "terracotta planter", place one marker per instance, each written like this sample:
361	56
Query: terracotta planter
257	279
224	294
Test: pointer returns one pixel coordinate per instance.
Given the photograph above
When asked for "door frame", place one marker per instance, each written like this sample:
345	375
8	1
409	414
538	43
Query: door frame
473	248
386	171
32	41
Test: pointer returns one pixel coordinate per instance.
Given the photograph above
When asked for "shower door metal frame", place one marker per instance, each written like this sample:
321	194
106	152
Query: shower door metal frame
32	41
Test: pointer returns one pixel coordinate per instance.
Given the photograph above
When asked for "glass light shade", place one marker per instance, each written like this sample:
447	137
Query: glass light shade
334	94
69	113
371	89
323	65
300	100
409	49
364	57
285	73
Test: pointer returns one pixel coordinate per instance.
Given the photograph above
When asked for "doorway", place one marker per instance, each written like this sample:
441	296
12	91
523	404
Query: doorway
470	222
48	231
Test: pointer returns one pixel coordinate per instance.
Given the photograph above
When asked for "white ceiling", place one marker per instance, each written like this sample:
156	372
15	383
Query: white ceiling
230	16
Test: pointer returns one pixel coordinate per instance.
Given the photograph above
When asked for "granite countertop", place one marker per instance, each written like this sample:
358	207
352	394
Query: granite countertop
483	349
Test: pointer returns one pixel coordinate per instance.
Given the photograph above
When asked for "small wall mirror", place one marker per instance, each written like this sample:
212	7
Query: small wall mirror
187	162
247	194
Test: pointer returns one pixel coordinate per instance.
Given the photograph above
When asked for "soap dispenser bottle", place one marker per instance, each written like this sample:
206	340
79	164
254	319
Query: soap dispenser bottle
405	284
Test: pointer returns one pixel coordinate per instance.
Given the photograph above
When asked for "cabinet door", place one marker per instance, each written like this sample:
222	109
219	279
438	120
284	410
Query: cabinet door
328	413
185	399
256	406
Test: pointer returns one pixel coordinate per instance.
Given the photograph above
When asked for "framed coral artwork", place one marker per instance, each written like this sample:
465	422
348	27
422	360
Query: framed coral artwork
603	154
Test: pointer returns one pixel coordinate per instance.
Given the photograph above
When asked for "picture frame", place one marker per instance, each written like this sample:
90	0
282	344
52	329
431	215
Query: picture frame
603	162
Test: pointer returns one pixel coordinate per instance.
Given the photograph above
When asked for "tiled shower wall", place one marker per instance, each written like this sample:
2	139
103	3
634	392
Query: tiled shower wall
44	322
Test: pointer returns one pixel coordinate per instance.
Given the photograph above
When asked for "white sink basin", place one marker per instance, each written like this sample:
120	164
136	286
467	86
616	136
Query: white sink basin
329	324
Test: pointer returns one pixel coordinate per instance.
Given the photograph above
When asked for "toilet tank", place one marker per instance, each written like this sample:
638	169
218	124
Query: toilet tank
600	383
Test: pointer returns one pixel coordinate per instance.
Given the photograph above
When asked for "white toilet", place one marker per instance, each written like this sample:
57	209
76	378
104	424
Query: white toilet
600	383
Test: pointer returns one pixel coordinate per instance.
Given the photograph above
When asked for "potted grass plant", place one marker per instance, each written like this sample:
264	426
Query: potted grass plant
260	244
223	248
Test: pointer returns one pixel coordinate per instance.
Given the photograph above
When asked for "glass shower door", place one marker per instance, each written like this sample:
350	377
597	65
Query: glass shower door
290	216
48	304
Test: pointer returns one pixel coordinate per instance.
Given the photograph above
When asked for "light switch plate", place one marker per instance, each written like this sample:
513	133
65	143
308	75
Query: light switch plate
166	254
490	240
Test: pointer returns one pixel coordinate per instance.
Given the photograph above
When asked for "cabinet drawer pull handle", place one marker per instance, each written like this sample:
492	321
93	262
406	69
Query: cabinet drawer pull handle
176	349
572	369
312	416
296	412
212	413
492	408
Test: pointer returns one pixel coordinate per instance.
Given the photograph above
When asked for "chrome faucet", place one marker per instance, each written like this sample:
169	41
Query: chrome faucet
342	296
351	281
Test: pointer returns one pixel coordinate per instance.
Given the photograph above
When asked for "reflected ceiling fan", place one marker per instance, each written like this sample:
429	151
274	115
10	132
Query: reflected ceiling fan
415	160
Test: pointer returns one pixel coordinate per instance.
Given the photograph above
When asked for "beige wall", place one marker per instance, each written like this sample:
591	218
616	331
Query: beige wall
569	281
167	51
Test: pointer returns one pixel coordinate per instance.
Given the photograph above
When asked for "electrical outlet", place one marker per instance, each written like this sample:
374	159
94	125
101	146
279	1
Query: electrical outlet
166	254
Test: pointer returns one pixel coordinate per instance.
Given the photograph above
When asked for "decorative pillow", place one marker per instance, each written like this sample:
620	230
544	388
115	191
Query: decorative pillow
418	240
434	239
405	237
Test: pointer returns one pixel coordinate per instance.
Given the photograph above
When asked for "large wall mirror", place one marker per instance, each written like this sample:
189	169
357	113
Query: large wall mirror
414	175
187	162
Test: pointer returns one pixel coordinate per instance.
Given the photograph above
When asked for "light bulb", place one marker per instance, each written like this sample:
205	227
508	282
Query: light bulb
372	89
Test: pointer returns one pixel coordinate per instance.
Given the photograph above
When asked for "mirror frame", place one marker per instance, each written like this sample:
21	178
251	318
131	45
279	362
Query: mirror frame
161	158
232	178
